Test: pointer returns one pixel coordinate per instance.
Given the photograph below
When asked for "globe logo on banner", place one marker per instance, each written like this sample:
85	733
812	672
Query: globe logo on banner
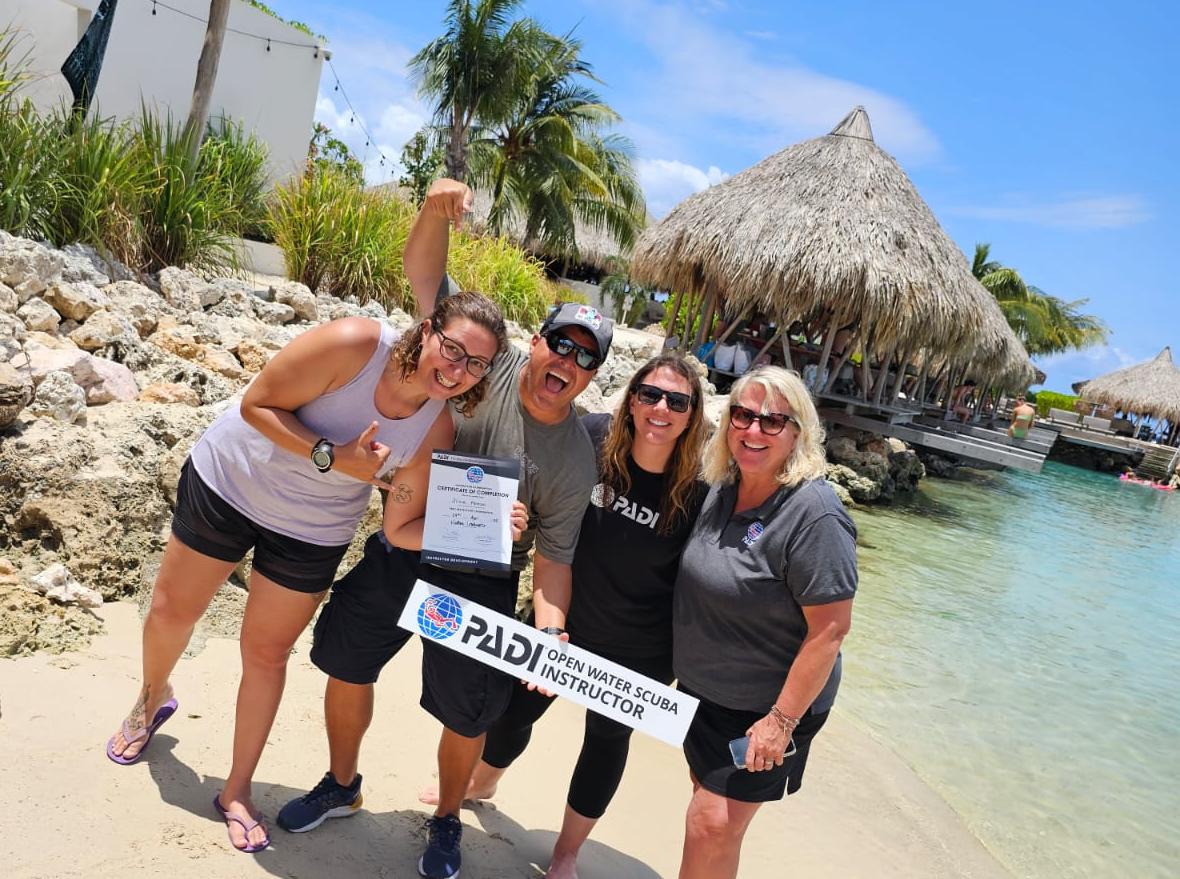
475	474
439	617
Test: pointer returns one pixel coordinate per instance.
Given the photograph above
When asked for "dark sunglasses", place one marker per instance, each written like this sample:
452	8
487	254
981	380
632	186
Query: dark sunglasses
456	353
650	395
770	423
563	346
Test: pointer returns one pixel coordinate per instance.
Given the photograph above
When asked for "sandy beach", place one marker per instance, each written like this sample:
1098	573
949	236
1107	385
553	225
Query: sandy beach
72	813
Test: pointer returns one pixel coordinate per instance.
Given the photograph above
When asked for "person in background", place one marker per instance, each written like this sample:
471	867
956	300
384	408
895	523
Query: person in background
961	400
638	517
762	603
1023	417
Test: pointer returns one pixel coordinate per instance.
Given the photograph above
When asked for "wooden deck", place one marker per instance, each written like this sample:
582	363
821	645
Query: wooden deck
945	439
857	406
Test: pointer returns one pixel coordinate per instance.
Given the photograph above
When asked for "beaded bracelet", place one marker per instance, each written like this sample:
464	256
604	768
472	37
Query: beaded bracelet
788	722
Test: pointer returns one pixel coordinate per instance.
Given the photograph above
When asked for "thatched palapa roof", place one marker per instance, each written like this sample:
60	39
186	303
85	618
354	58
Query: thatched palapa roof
831	224
1150	388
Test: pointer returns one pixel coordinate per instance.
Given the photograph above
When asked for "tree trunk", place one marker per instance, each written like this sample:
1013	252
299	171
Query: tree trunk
198	115
457	148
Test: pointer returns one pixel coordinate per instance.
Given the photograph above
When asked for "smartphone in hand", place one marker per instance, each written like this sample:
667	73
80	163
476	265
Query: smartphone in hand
739	747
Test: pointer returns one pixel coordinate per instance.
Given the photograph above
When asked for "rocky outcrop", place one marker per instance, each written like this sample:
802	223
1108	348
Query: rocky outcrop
872	468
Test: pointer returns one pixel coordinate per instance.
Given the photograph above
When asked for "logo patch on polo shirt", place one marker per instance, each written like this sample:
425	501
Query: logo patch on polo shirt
753	533
602	495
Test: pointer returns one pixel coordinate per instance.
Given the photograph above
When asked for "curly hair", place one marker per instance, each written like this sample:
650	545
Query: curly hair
807	461
478	309
684	465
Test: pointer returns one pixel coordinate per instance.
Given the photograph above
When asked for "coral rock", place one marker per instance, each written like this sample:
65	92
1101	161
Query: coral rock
39	315
165	392
58	584
59	397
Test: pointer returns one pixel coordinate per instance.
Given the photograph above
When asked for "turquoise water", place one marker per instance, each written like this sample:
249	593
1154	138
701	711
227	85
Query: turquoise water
1017	640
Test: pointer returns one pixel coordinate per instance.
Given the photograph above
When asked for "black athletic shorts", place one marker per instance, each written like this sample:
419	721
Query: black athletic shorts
706	747
357	634
204	522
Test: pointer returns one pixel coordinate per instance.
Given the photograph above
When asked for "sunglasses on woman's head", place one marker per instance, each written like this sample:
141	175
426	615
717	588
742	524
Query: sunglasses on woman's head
563	346
650	395
770	423
456	353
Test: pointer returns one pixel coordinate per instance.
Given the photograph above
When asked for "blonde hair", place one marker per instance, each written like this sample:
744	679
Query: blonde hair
807	461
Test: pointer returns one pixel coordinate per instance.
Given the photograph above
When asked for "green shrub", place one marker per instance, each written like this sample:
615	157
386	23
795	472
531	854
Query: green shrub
100	186
1046	400
341	240
186	215
238	160
29	183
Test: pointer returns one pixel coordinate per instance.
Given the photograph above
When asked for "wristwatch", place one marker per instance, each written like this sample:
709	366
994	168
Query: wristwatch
555	631
323	455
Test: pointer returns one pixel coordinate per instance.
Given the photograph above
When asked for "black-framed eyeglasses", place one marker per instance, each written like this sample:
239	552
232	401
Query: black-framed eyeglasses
562	345
650	395
456	353
770	423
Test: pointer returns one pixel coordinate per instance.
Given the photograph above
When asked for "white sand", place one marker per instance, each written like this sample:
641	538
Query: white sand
69	812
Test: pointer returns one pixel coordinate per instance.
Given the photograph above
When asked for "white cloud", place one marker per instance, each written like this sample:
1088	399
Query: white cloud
1069	367
1095	212
668	181
730	85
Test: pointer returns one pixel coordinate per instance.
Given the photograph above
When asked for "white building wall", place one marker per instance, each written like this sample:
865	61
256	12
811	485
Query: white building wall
152	59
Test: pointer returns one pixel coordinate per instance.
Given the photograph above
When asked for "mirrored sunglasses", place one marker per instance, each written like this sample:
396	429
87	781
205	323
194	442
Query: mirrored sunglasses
563	346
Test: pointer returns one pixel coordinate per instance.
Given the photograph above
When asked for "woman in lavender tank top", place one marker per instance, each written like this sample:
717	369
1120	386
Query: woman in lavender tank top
289	475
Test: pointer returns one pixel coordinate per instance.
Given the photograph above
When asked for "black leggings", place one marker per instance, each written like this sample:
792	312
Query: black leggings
604	746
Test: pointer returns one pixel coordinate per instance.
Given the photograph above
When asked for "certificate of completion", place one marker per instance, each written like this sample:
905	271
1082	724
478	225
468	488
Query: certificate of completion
468	509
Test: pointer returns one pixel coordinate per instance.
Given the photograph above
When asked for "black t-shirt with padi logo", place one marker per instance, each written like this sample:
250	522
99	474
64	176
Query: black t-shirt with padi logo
624	568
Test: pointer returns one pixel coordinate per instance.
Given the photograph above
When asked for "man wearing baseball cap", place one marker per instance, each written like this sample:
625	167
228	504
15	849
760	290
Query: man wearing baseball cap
527	414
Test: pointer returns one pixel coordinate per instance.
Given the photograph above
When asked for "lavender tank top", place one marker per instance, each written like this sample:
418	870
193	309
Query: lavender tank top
283	491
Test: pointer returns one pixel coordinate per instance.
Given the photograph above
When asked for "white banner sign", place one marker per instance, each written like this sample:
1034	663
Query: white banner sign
560	667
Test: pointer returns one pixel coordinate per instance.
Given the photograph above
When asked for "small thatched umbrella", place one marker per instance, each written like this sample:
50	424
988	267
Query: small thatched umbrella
1150	388
832	225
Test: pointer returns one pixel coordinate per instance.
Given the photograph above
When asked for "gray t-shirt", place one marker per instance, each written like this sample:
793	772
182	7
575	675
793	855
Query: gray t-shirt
557	467
744	578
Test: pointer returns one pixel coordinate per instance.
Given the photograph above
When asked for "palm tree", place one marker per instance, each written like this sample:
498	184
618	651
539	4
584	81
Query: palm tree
471	72
206	78
550	162
1044	323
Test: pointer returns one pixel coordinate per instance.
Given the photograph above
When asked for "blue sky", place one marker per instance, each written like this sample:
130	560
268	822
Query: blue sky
1046	129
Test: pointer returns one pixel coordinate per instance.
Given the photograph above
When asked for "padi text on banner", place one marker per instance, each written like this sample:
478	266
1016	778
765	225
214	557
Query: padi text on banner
468	511
561	668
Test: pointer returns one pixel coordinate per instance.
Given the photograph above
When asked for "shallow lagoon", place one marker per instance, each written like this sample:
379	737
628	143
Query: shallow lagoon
1017	640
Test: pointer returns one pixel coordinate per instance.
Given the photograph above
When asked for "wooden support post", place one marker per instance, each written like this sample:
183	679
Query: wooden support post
822	366
786	340
902	365
777	335
735	323
670	329
883	376
706	325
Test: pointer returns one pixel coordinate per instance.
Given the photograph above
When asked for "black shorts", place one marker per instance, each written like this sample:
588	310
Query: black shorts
205	523
357	634
706	747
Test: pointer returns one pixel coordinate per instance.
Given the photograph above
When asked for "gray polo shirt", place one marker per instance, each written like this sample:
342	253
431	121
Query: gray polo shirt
557	468
744	579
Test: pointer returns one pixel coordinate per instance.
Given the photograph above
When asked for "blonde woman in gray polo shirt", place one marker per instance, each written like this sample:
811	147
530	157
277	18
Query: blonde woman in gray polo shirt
762	602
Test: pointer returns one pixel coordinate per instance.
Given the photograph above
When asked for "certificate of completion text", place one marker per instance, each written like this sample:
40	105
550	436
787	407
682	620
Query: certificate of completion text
468	509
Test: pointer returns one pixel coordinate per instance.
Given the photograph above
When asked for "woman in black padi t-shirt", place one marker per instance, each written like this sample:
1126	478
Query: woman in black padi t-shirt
639	517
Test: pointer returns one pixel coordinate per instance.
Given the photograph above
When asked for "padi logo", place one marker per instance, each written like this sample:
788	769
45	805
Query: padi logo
475	474
439	617
602	495
588	316
753	533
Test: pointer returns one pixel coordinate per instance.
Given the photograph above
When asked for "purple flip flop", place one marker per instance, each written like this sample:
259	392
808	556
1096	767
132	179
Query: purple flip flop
246	828
165	711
